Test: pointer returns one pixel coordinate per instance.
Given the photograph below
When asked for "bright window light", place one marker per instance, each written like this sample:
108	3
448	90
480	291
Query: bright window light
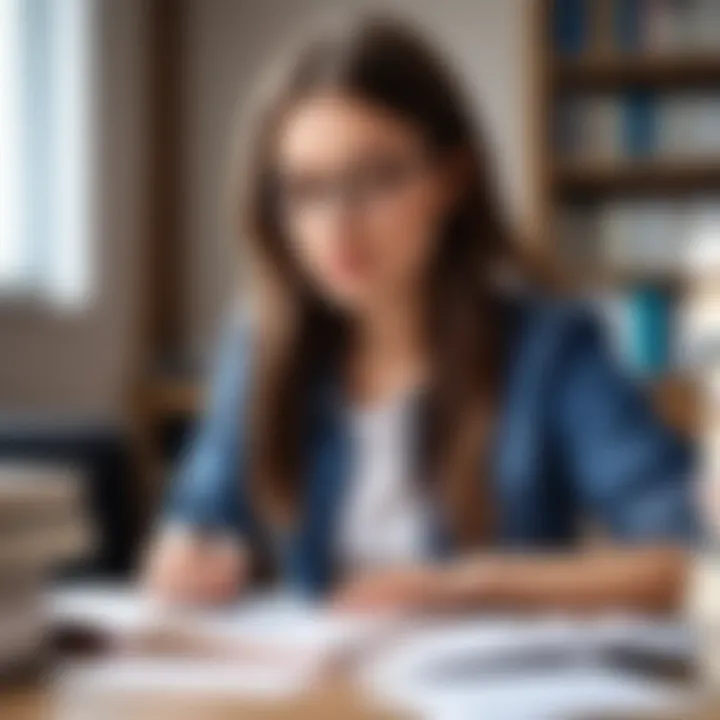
46	149
12	155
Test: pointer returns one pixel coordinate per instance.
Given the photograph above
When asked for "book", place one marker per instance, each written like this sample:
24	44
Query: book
640	124
42	526
602	36
605	129
37	486
648	27
687	125
577	230
666	27
650	315
570	26
628	16
589	128
642	236
42	518
659	31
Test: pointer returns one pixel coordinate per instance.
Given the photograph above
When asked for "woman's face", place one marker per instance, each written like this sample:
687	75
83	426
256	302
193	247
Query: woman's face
361	200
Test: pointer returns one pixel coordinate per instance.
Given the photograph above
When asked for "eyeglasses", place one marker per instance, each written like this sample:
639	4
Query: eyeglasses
366	185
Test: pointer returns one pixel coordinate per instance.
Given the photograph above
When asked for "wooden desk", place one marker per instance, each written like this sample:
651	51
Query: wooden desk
23	704
333	698
38	703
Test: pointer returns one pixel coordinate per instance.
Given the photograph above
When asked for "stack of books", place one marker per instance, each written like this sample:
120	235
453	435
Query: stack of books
649	27
42	528
639	125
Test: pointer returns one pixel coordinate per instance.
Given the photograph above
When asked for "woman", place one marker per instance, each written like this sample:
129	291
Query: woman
398	426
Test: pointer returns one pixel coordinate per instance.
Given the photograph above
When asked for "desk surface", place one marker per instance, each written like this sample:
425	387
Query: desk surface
38	703
334	697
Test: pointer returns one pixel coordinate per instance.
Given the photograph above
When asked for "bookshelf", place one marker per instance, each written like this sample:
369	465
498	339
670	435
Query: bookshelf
610	53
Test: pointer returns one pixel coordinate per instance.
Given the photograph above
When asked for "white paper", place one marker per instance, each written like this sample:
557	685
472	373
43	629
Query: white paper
264	644
274	622
105	608
525	668
286	622
178	678
556	694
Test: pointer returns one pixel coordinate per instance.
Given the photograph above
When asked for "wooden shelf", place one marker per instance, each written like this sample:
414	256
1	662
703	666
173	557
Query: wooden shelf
614	72
637	177
679	279
174	398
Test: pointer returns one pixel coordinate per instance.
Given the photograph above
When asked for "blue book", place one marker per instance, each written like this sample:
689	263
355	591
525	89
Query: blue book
639	123
650	329
627	23
570	26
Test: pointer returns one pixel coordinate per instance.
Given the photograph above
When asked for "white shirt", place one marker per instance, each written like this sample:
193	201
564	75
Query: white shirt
383	519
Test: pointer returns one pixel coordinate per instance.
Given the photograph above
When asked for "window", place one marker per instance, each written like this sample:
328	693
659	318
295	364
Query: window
45	149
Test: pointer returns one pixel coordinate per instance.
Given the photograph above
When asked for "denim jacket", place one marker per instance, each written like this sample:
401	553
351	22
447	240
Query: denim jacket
575	441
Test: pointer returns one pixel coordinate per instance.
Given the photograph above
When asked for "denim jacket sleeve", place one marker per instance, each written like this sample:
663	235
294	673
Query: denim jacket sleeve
207	490
630	471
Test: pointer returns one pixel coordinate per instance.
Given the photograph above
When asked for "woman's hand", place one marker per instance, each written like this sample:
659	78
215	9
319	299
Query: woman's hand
403	590
185	568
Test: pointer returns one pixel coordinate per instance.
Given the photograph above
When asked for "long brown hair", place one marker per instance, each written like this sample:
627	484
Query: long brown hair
295	335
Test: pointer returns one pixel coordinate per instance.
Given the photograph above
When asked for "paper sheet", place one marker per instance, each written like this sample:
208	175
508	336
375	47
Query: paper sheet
499	667
525	669
290	623
106	608
275	621
556	694
268	644
179	678
497	644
